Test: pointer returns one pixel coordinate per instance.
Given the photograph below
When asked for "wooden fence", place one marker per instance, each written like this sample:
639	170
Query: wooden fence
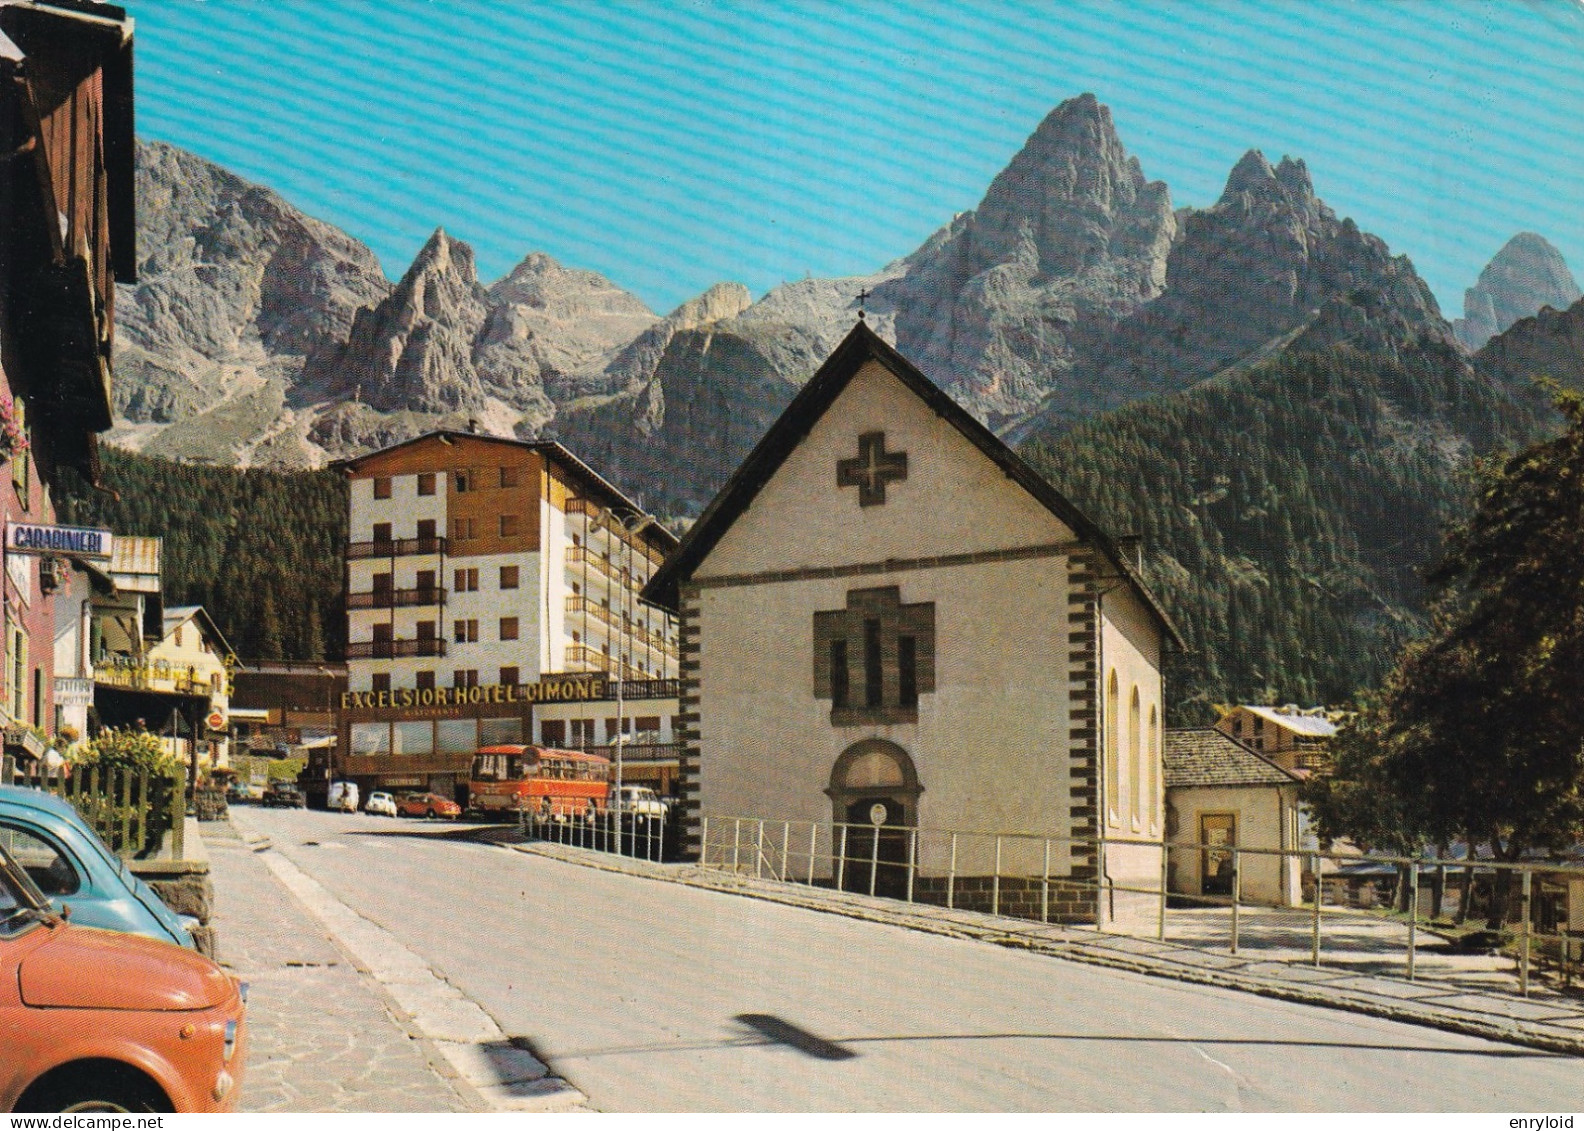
131	810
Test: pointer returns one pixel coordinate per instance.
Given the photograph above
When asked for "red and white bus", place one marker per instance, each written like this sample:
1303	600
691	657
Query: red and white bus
538	780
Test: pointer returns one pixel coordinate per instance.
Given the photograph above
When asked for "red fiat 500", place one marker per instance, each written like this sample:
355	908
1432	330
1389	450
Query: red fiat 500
92	1020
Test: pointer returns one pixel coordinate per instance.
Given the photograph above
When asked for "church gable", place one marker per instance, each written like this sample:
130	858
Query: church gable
880	475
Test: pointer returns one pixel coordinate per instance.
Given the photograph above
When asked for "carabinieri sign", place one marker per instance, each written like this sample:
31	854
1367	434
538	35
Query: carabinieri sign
34	538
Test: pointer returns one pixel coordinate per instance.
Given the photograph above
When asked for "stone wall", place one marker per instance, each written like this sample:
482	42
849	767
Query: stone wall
1017	898
185	887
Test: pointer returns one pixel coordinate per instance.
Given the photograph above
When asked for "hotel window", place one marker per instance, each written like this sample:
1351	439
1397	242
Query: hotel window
464	677
426	630
426	483
382	633
467	580
382	487
466	631
464	480
509	526
464	529
424	681
508	628
907	671
383	583
426	528
510	677
510	476
380	681
509	575
552	732
382	532
426	579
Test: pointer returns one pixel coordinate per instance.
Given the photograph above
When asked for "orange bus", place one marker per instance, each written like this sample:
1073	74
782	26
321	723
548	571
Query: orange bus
539	780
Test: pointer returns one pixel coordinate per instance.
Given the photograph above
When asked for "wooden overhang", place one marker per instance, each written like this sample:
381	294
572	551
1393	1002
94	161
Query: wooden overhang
861	346
66	100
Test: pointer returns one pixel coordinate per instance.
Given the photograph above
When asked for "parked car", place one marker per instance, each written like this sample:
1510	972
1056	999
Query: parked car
72	867
343	797
284	795
96	1021
640	801
426	805
381	804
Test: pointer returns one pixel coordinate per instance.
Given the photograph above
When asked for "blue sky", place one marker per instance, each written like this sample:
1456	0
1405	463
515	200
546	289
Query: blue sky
670	146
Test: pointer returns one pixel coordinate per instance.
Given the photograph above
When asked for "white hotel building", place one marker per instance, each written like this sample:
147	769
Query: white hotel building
492	596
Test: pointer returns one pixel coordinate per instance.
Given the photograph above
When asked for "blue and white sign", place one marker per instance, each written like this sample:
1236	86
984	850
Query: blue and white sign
35	538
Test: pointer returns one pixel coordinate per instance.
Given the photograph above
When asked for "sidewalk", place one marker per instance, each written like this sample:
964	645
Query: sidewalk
322	1037
1363	976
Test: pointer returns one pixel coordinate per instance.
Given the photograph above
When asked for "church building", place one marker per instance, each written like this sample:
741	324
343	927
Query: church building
889	622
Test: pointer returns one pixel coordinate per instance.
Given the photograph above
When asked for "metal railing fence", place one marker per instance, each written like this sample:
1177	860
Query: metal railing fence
1327	904
639	836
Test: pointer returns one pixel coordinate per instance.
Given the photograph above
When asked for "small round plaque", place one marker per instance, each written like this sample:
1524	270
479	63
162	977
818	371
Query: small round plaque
877	813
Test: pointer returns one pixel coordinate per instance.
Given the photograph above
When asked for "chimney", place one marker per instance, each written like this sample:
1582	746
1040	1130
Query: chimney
1132	549
473	425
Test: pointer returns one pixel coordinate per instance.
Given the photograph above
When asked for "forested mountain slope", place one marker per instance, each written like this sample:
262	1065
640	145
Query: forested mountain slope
1286	510
262	551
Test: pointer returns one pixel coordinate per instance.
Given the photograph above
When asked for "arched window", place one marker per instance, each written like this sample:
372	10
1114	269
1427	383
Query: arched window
1113	774
1135	761
1154	770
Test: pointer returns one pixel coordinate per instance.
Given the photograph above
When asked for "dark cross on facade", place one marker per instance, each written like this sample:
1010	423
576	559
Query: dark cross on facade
872	469
863	297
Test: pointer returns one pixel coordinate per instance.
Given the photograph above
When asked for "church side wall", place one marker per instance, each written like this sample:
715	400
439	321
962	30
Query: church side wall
1132	788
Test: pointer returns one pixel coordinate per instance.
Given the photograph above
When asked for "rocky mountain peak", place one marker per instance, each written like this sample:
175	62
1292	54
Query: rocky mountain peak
1071	197
722	301
1525	276
413	351
1252	174
1069	238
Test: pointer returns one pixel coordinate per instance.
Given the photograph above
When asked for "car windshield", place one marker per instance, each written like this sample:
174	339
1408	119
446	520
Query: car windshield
20	901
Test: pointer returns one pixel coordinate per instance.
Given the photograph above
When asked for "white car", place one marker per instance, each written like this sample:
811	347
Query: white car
381	804
640	801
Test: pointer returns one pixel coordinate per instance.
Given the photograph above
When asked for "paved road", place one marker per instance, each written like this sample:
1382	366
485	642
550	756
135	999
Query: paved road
657	997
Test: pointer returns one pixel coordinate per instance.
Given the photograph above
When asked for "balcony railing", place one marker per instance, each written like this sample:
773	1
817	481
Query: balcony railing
396	548
395	649
594	660
396	598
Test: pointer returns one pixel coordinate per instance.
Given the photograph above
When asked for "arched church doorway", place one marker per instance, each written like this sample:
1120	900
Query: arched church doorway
874	792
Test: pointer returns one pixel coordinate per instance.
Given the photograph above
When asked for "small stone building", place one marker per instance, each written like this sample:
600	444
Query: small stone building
1222	795
890	623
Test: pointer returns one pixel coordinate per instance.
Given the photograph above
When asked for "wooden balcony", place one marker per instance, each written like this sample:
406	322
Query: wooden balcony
396	598
395	649
396	548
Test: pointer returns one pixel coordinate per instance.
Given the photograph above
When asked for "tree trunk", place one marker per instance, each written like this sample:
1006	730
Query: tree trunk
1466	896
1501	899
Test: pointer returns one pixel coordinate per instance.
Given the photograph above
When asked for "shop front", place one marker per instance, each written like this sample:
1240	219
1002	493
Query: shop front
425	738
